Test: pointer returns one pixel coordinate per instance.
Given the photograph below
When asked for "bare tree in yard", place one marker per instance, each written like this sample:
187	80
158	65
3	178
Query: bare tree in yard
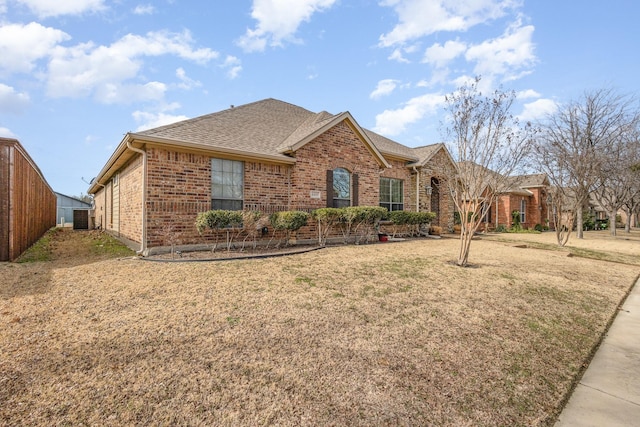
489	145
617	181
578	135
562	198
632	206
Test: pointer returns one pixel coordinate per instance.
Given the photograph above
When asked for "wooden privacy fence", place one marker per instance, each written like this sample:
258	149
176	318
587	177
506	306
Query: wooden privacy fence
27	202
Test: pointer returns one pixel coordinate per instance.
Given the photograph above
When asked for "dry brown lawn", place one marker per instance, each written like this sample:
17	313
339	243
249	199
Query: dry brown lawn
382	334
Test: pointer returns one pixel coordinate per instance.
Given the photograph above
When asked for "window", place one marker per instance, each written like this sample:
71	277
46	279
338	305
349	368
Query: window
392	194
341	188
227	184
523	209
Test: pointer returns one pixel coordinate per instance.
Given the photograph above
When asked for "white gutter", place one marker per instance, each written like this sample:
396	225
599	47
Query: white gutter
143	241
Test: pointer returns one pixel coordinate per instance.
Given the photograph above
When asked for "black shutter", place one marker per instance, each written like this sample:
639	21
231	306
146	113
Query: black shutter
356	186
329	188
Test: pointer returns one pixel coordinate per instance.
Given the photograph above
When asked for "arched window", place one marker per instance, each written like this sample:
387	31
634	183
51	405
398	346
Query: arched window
341	188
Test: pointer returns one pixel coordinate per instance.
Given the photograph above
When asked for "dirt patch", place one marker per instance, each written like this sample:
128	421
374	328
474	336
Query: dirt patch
382	334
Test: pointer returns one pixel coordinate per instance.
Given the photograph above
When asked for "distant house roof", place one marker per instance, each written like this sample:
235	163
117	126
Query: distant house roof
532	181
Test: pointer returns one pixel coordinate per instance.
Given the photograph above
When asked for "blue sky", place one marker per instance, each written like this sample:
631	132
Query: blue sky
76	75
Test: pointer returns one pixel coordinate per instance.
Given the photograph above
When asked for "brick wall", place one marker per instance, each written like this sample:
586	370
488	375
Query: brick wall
439	167
399	170
179	187
339	147
130	200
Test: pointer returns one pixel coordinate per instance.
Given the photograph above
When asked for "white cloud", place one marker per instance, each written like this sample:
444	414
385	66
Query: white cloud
102	71
278	21
508	55
6	133
186	82
538	109
12	101
119	93
144	9
394	122
419	18
397	55
22	45
150	120
441	55
384	87
232	65
47	8
528	94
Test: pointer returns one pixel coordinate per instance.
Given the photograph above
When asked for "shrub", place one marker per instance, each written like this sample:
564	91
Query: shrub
435	230
288	221
361	220
515	216
537	227
411	220
218	220
326	219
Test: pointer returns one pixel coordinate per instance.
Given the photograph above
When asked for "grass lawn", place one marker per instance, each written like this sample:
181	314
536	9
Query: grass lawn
381	334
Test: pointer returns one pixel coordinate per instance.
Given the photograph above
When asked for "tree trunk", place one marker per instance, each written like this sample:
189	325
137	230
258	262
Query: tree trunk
627	224
466	233
612	222
579	224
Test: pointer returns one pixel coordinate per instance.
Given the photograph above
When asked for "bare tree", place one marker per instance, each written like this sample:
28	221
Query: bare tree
631	207
489	145
617	180
578	135
562	198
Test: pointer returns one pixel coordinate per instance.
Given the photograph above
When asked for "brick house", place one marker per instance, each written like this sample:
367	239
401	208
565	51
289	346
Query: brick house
267	156
526	194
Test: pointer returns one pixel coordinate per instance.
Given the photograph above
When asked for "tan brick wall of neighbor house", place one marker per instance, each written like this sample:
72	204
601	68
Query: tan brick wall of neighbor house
339	147
506	205
537	207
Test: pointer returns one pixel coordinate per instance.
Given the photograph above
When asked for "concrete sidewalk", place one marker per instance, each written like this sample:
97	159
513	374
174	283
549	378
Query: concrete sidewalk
609	392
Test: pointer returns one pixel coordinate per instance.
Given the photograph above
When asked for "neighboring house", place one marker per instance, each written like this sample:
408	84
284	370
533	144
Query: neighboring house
527	194
27	202
268	156
72	212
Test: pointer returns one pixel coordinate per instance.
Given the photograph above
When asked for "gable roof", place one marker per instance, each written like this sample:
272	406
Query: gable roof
391	148
269	130
532	181
427	152
257	128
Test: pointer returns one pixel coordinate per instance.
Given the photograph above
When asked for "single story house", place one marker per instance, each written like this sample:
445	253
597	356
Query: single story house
526	194
267	156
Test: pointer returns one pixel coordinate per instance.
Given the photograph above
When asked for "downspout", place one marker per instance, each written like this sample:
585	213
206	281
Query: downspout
497	202
143	241
417	189
104	189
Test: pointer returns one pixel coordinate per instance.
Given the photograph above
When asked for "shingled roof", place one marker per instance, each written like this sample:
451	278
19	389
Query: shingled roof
258	128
